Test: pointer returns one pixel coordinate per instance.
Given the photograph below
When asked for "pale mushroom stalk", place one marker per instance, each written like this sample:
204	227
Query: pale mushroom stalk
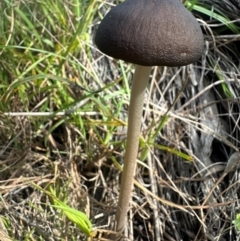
146	33
140	81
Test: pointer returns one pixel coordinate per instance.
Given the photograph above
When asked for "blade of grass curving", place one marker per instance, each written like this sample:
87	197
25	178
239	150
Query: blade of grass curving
220	17
75	62
75	216
23	80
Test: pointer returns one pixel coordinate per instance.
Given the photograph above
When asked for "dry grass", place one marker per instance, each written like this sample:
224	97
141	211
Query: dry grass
186	183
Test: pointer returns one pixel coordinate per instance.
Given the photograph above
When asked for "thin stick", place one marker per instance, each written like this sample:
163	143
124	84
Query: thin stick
49	113
140	80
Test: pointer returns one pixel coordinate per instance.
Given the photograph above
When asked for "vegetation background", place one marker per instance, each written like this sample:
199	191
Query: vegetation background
63	113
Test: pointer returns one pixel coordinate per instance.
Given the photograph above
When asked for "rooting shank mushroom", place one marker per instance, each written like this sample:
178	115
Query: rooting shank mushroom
146	33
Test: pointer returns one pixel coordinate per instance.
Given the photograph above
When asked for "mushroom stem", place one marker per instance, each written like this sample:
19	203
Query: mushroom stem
139	85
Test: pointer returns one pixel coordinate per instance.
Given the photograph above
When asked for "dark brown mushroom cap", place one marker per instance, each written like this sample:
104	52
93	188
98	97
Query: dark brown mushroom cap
151	32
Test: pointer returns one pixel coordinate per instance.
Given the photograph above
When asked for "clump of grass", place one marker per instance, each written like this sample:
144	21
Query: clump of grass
48	67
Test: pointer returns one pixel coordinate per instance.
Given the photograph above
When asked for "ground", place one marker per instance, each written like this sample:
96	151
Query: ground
63	115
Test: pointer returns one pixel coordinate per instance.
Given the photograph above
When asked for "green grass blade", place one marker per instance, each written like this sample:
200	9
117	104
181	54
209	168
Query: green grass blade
75	216
236	222
220	17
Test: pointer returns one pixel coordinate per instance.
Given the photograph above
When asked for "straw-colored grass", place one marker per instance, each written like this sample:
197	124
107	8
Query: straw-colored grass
63	113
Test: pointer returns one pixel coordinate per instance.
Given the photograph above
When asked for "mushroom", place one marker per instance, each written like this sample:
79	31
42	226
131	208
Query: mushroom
146	33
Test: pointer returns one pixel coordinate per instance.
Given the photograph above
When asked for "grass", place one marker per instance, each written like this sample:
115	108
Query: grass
49	64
